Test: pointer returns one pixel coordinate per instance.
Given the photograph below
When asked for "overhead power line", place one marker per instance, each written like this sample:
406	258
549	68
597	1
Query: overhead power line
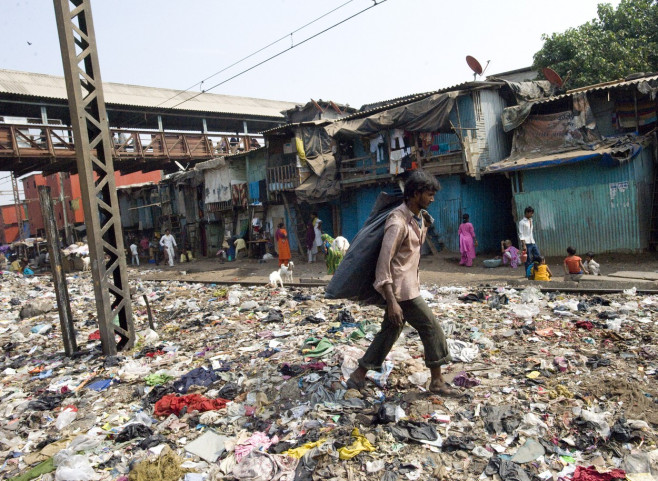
255	52
375	3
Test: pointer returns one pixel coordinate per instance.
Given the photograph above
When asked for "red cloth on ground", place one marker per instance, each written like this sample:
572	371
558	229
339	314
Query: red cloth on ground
585	325
171	403
591	474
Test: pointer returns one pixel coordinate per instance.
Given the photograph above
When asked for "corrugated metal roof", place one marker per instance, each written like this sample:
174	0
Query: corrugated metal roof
51	86
299	124
598	87
389	104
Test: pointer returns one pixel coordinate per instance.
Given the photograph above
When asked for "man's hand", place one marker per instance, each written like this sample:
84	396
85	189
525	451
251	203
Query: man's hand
395	313
393	309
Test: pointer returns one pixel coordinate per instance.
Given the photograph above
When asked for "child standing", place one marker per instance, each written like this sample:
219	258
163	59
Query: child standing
541	271
591	266
573	266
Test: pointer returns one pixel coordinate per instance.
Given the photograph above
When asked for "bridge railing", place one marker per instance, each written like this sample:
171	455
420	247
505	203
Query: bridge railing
53	141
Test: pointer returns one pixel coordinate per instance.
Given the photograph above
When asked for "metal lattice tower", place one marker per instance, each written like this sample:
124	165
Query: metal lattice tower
96	171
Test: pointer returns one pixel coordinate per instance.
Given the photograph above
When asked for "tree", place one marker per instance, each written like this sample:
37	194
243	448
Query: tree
616	44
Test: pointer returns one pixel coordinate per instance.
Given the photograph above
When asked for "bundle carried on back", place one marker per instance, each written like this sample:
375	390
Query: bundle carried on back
355	275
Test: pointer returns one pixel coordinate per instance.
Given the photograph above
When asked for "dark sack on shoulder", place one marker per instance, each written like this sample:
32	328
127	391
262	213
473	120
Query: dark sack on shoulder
355	275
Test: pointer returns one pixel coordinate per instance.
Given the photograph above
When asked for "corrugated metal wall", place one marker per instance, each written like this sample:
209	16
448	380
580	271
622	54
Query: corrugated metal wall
487	201
356	206
496	142
590	205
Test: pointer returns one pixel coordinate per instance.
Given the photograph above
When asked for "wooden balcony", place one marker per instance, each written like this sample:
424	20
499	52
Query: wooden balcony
283	178
363	170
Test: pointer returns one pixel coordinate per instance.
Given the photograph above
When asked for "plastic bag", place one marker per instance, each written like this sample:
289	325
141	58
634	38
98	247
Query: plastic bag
525	311
65	418
356	273
72	467
380	378
233	298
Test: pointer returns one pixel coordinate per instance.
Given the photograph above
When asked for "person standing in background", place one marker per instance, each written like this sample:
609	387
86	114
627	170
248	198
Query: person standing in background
282	245
467	242
527	238
168	242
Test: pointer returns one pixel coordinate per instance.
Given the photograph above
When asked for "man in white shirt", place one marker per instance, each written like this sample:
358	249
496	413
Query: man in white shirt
135	254
526	236
168	242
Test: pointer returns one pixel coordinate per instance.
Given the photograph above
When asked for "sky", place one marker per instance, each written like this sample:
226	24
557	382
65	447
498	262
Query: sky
396	48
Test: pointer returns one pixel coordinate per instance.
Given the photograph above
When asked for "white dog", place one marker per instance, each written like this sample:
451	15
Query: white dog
275	278
286	271
86	264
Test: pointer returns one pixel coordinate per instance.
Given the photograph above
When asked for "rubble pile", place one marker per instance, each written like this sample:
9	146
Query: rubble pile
248	383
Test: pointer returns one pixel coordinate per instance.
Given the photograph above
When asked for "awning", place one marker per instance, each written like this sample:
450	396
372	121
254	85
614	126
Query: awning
614	155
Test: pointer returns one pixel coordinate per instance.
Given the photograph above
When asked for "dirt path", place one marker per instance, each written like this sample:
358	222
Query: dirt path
442	270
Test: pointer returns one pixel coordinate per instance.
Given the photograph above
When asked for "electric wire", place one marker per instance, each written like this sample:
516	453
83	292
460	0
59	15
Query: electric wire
375	3
255	52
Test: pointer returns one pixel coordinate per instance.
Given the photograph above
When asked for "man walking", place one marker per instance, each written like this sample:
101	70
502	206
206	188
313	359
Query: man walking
526	237
168	242
397	279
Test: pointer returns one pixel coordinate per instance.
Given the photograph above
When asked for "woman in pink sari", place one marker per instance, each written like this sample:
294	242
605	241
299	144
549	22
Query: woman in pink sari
467	242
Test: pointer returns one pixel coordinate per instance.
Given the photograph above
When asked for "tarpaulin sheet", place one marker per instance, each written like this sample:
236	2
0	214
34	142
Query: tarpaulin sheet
613	155
526	94
432	114
558	132
320	188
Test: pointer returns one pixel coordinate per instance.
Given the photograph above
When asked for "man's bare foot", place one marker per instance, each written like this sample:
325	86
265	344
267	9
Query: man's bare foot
439	386
357	379
444	389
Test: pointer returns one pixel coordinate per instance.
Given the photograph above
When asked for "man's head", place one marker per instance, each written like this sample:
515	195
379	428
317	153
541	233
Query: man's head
528	212
167	232
421	187
281	225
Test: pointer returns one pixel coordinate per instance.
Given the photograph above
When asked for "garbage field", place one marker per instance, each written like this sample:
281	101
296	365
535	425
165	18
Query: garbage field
248	383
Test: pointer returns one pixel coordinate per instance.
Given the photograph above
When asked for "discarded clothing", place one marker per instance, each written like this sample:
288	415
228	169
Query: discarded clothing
465	379
591	474
507	470
196	377
173	404
157	379
359	445
500	419
462	351
414	431
132	431
259	466
322	347
258	441
300	451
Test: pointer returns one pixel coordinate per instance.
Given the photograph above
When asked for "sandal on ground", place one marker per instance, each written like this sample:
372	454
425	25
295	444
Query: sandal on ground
447	391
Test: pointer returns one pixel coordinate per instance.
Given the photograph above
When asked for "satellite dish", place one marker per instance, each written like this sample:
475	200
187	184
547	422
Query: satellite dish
552	76
475	66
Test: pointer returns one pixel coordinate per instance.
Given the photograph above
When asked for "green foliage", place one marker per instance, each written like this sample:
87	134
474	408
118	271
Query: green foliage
616	44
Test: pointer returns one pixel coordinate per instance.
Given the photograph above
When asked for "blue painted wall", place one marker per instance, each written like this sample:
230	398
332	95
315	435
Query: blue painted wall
592	205
356	205
487	201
